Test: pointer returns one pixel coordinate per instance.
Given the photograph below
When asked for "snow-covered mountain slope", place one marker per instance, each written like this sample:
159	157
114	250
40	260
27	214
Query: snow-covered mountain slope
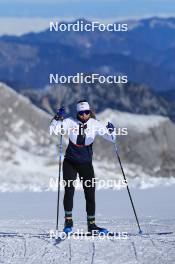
29	155
148	149
26	146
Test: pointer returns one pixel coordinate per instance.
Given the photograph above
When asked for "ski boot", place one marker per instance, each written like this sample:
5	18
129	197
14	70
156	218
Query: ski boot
68	225
94	229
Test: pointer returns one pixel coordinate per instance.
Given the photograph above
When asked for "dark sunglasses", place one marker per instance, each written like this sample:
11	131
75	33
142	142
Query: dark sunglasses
86	112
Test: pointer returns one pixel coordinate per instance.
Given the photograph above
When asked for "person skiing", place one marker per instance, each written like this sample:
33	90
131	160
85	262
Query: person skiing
78	159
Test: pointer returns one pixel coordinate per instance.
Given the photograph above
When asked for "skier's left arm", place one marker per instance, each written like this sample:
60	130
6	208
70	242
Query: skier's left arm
107	132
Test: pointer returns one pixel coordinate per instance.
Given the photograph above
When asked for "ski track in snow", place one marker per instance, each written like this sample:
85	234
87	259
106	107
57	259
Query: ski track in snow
93	252
134	249
70	253
30	248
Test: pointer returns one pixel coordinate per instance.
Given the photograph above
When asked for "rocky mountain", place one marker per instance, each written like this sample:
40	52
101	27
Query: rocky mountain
29	155
26	146
144	53
133	98
168	95
148	149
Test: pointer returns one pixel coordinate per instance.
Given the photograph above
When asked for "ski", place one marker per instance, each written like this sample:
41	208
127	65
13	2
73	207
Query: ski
58	240
151	233
118	235
123	234
63	235
83	235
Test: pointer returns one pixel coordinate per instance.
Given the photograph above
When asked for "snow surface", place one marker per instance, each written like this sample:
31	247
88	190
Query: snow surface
153	249
35	214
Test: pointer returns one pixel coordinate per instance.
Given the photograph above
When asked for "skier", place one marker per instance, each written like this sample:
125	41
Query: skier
78	159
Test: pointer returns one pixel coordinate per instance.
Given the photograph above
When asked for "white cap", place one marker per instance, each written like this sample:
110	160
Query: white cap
82	106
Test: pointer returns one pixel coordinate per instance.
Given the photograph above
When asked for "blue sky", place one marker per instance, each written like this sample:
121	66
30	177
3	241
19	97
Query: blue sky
104	9
21	16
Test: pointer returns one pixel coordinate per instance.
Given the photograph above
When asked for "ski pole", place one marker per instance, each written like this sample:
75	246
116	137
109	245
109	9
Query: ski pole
59	176
115	146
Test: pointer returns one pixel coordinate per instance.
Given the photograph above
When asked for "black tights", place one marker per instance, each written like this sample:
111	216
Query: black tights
86	175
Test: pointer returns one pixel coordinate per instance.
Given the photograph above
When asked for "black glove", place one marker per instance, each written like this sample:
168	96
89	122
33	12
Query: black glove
110	127
60	114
